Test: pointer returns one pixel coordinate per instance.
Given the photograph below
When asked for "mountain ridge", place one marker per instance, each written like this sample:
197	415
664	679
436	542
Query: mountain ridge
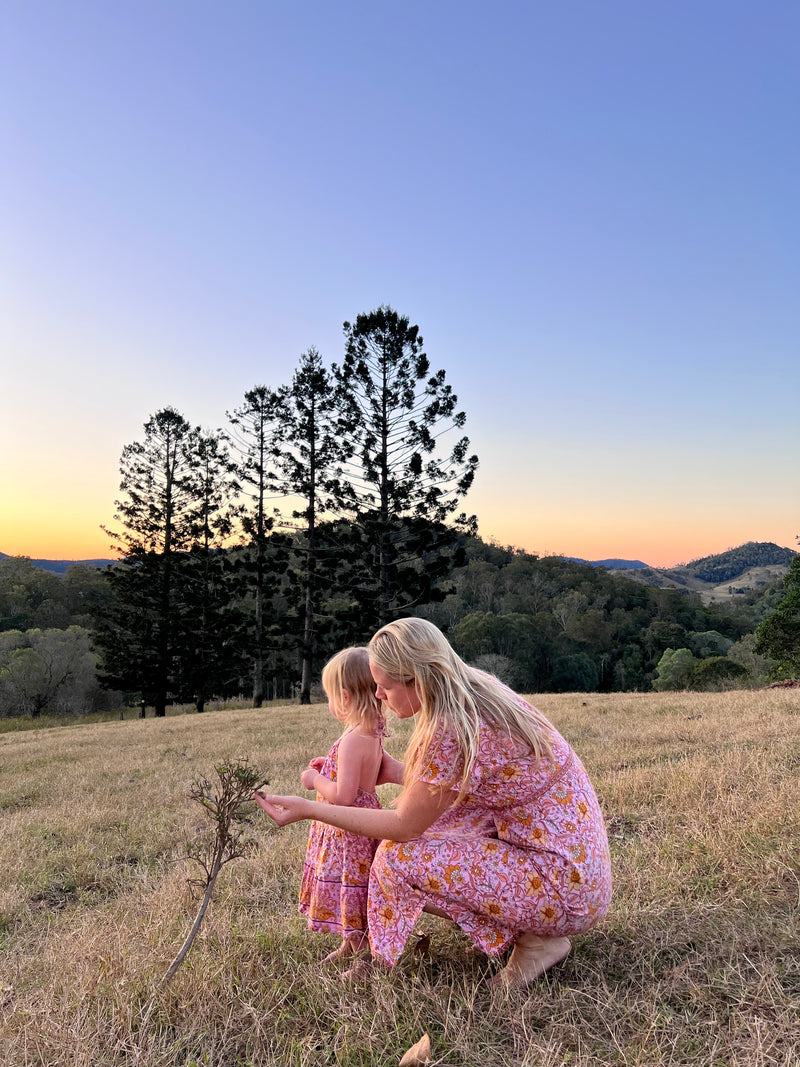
59	566
753	564
724	576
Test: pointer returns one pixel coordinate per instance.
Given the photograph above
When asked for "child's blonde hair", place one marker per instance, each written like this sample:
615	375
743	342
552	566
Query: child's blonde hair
454	697
349	670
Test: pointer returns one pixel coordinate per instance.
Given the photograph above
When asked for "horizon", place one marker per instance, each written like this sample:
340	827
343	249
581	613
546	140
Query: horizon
590	213
542	555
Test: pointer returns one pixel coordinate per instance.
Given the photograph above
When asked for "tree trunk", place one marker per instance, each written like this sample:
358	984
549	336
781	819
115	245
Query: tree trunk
258	655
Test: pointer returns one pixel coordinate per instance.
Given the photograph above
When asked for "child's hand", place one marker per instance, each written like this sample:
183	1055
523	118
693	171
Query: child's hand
308	777
317	763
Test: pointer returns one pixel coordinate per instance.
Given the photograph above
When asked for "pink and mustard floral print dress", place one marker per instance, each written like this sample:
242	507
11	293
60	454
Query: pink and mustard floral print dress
525	849
333	891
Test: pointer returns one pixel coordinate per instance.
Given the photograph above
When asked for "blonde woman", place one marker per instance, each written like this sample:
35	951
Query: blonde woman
497	827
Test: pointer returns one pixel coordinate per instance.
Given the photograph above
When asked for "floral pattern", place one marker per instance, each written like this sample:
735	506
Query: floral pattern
333	891
525	849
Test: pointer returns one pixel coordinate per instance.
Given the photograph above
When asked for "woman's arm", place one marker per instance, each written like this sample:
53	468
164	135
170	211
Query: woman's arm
354	750
418	807
391	772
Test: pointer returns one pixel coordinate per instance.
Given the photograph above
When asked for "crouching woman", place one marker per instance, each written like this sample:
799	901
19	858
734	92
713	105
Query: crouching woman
497	828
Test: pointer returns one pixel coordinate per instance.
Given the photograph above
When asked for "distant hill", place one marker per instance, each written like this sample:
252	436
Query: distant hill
59	566
725	576
612	564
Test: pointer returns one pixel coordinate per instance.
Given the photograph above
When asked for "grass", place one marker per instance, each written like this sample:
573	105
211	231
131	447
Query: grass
696	963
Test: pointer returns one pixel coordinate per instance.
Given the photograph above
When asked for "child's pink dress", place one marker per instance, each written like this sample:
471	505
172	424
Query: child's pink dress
333	892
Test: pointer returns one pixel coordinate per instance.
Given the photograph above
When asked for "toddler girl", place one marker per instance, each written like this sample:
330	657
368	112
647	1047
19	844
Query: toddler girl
333	892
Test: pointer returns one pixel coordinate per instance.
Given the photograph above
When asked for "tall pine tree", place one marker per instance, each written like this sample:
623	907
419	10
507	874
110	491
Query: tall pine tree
405	488
255	438
210	618
309	464
155	513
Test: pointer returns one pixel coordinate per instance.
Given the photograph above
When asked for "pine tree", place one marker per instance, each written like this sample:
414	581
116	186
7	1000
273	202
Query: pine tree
209	620
309	463
255	439
155	511
403	492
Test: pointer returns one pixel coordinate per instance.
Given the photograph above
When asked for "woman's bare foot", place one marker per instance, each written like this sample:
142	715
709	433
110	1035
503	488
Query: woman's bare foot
350	946
530	957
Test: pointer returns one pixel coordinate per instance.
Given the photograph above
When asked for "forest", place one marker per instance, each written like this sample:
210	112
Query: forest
323	509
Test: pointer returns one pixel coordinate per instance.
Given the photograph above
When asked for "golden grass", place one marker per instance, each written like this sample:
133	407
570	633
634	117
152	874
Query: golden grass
696	963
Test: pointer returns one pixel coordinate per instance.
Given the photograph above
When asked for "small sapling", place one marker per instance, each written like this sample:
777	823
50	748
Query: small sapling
224	804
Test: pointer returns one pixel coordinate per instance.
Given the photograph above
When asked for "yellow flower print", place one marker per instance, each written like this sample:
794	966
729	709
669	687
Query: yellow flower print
405	853
578	852
491	846
570	827
502	827
477	871
534	883
386	912
432	884
427	857
548	914
538	835
561	795
575	877
493	907
525	820
582	808
511	772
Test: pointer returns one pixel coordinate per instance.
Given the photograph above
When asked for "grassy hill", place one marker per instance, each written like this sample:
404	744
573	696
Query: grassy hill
695	965
724	577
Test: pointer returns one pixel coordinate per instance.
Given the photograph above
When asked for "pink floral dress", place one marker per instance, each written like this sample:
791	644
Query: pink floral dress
333	891
525	849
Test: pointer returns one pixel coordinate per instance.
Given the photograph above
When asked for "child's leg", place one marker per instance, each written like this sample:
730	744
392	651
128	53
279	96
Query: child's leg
355	944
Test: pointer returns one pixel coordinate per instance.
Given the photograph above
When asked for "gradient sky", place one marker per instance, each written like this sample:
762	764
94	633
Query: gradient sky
590	209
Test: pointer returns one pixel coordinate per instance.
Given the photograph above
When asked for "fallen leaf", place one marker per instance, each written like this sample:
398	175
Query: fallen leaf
418	1054
423	945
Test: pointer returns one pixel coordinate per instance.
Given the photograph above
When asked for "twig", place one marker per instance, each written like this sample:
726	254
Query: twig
237	783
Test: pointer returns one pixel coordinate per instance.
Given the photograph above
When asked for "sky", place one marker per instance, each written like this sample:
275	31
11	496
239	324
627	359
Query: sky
590	210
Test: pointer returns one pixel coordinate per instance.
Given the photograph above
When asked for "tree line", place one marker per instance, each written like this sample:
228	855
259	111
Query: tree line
324	508
539	624
217	583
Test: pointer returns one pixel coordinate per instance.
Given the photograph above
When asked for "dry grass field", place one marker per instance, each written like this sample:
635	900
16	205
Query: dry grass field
697	963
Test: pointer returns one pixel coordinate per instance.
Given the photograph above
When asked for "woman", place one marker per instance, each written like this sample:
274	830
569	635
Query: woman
497	827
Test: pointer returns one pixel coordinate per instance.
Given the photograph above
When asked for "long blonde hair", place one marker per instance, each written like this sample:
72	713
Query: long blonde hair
454	697
349	671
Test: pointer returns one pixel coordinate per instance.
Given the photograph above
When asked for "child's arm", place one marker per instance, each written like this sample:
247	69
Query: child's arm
354	751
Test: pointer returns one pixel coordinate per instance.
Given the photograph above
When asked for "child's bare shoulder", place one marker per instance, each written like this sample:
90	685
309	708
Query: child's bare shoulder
359	741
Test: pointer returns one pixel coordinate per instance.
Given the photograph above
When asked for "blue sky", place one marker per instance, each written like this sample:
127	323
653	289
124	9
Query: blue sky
589	209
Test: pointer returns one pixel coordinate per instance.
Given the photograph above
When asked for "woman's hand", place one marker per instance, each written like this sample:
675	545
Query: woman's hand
283	810
308	777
